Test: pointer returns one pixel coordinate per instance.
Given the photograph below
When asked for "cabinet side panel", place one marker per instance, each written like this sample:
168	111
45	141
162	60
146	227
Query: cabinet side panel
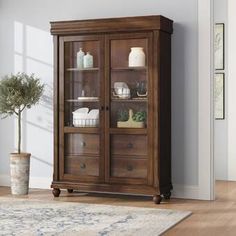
165	112
55	108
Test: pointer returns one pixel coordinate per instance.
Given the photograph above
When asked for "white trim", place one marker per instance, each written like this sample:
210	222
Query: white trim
205	100
35	182
231	91
185	191
179	191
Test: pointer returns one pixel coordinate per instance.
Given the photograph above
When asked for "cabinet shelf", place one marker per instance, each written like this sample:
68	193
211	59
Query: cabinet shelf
128	130
85	130
141	68
129	100
89	99
83	70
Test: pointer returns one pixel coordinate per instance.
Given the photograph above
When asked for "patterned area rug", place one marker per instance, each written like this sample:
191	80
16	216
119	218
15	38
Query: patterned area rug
38	218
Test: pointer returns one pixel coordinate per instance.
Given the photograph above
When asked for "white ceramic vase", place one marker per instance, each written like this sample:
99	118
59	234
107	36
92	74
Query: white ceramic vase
136	57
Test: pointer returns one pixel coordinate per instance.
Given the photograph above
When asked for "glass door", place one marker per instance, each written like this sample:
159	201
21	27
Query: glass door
130	102
81	107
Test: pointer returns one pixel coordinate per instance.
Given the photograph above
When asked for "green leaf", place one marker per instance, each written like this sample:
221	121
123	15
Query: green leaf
18	92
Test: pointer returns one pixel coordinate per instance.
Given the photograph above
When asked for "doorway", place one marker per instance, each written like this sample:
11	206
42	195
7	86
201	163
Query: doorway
224	90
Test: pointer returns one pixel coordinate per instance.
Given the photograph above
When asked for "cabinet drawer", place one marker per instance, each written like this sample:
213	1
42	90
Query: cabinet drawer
129	168
129	144
76	165
76	144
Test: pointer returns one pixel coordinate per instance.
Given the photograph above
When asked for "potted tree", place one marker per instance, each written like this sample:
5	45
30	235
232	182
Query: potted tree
17	93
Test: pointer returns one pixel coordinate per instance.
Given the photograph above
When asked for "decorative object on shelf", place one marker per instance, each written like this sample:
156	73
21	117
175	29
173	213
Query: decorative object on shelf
123	115
82	93
141	87
83	118
80	59
140	116
219	96
136	57
88	60
219	46
130	123
121	90
18	92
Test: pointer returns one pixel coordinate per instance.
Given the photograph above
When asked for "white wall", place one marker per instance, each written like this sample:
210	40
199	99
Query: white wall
221	126
231	90
26	44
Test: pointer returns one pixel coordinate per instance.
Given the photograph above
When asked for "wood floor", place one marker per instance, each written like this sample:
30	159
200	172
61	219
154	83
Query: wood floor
209	217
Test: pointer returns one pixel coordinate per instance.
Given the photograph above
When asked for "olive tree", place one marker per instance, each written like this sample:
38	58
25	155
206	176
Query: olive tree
17	93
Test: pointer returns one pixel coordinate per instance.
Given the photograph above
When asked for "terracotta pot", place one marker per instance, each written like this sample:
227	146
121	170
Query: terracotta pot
20	166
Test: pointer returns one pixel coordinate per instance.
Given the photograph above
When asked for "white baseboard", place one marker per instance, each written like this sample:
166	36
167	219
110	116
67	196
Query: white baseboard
179	191
35	182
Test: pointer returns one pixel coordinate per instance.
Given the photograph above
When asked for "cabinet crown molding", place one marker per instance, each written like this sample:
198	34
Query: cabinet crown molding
109	25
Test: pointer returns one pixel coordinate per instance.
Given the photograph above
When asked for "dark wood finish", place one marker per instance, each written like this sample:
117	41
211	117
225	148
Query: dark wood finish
107	158
126	24
82	165
167	195
128	167
81	130
82	144
128	131
56	107
138	189
157	199
164	121
56	192
129	145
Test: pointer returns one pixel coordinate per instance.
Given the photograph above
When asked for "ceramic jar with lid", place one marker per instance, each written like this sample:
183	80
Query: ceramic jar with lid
136	57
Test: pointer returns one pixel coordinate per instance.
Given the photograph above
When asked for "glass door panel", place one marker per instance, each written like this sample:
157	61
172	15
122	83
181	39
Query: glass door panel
129	103
80	101
128	85
81	85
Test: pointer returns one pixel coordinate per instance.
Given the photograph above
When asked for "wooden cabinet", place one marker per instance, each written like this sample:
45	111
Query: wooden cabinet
112	121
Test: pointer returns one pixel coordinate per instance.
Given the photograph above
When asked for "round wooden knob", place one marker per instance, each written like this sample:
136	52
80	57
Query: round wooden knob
82	166
129	168
83	144
129	145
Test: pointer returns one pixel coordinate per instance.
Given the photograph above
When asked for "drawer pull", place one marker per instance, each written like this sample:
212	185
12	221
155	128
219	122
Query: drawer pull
82	144
129	167
82	166
129	145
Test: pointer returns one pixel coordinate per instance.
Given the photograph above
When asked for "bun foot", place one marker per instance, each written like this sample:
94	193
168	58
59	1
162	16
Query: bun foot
70	190
157	199
56	192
